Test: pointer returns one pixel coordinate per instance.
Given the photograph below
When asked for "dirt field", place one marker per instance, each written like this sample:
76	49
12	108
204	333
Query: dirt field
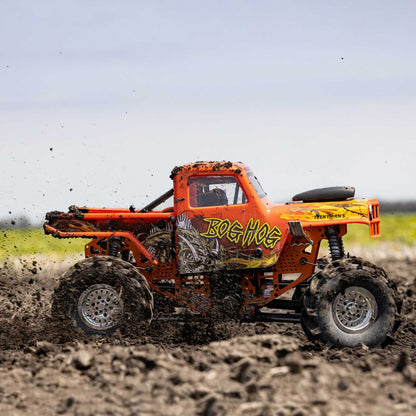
222	369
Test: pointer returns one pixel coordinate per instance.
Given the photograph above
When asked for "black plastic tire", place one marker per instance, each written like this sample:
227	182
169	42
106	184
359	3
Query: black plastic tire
101	294
350	302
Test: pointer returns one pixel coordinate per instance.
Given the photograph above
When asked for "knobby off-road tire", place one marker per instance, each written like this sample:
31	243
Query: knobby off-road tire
350	302
101	294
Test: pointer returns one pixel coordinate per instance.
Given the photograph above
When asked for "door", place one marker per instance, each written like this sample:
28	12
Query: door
220	228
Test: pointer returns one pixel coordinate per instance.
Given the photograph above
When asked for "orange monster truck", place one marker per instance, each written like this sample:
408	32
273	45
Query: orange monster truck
222	245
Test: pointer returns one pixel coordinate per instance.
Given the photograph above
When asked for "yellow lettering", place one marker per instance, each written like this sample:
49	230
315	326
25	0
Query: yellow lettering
236	231
252	232
262	233
212	231
223	228
272	238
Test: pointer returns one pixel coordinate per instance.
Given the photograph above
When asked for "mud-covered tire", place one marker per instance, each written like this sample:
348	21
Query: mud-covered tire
101	294
350	302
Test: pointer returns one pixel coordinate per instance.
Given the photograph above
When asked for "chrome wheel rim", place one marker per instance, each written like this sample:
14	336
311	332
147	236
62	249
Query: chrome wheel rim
100	307
354	310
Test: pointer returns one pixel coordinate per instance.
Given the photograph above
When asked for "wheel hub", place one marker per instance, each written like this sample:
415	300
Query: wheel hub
354	310
100	307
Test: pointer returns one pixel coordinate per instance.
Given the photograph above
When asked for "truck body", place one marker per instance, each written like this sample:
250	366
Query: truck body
221	223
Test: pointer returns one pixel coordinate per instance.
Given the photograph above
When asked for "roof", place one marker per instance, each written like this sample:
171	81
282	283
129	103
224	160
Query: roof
211	166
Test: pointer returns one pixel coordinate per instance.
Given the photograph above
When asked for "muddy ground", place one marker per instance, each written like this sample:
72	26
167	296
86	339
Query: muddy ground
195	368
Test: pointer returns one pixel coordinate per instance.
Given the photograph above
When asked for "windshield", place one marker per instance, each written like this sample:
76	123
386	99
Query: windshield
256	184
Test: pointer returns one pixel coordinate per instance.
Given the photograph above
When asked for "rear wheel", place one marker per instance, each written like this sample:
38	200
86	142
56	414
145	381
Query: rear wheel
100	294
349	302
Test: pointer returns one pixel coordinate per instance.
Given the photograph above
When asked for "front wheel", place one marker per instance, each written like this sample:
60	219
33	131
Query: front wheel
100	294
350	302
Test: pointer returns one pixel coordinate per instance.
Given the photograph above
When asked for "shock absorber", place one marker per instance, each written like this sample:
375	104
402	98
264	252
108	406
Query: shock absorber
336	245
114	245
341	247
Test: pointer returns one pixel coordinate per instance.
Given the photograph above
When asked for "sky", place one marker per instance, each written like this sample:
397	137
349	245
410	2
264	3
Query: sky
100	99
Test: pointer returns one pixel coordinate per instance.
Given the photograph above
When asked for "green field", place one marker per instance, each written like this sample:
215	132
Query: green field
32	241
399	229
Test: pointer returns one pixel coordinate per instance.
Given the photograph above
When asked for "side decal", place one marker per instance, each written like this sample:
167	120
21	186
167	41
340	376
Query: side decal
329	211
253	232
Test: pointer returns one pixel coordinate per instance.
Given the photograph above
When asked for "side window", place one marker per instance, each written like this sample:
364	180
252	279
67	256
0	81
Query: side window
209	191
